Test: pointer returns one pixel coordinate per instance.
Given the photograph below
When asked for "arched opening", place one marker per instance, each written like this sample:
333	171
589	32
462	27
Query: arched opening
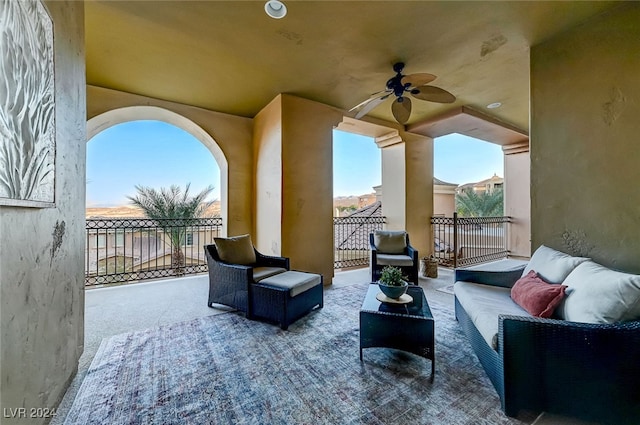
153	148
139	113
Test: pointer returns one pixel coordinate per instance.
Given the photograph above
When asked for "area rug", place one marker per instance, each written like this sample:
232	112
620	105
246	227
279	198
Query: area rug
226	369
446	289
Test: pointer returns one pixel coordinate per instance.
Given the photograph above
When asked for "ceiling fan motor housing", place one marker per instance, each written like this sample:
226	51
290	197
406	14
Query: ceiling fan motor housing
395	83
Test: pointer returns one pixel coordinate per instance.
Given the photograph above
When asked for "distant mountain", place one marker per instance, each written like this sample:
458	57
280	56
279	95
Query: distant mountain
123	211
345	201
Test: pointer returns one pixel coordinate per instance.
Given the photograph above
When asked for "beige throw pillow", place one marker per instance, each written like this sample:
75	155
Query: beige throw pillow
236	250
390	242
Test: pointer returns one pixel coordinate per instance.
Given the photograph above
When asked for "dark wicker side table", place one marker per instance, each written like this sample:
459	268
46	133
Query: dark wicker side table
408	327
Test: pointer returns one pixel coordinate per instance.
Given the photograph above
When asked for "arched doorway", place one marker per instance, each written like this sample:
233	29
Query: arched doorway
137	113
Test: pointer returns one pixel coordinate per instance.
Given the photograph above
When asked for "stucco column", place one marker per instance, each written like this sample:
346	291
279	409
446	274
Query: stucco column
517	199
407	186
293	151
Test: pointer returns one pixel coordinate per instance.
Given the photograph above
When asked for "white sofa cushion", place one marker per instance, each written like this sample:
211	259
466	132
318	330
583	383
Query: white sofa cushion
483	304
551	265
597	294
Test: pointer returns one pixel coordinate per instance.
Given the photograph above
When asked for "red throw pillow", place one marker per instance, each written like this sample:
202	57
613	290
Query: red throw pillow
538	297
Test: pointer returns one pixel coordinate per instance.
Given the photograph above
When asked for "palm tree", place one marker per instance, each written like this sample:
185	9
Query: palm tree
173	210
486	204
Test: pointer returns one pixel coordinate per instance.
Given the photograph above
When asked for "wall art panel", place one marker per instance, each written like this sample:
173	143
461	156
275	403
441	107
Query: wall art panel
27	105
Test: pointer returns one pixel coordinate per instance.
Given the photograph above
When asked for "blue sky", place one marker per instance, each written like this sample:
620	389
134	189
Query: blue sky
156	154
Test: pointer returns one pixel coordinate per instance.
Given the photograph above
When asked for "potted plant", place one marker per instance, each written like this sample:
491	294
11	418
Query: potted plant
392	282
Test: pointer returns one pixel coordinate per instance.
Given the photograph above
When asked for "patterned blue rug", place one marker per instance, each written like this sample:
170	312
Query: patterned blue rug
225	369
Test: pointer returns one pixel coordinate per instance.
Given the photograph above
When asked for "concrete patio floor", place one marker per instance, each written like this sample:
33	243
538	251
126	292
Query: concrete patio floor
115	310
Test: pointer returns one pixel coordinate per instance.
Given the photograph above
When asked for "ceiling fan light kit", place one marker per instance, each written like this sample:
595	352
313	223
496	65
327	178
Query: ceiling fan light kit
400	85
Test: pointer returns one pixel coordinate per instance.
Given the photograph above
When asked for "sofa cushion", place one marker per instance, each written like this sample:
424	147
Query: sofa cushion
483	304
538	297
297	282
236	250
260	273
551	265
393	260
597	294
390	242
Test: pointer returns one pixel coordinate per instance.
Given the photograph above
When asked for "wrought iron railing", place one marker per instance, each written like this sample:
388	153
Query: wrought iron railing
133	249
351	236
463	241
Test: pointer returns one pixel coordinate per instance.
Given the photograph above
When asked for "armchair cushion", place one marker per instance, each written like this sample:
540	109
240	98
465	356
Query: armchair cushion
260	273
551	265
390	242
296	282
394	260
538	297
600	295
236	250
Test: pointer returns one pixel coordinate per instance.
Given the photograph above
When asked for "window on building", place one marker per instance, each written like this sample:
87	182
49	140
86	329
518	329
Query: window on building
189	238
119	238
102	241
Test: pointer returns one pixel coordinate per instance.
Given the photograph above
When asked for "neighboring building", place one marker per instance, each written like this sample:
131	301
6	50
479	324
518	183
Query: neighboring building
488	185
444	198
366	200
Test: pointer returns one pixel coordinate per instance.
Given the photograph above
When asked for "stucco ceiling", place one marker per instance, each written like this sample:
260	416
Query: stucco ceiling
229	56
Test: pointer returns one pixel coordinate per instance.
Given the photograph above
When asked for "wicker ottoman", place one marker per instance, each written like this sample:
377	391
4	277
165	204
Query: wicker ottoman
285	297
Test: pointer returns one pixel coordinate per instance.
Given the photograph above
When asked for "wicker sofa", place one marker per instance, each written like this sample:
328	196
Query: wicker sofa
589	371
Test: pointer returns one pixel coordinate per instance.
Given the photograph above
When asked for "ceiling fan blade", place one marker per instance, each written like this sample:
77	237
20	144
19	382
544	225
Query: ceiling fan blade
371	98
416	80
372	103
401	109
433	94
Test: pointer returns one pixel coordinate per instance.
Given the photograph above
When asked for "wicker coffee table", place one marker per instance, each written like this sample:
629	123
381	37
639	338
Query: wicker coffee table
408	327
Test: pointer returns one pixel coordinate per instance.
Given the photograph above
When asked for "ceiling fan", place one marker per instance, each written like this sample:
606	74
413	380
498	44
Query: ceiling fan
401	85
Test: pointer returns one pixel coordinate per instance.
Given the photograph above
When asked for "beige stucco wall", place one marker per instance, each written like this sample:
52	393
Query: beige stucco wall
419	207
231	134
517	200
407	182
267	141
307	156
444	202
585	155
41	250
394	185
293	140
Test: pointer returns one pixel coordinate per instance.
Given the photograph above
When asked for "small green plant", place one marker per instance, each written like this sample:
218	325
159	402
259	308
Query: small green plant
392	276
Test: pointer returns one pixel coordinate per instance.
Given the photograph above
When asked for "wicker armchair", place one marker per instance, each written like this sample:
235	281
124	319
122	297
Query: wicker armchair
232	284
407	261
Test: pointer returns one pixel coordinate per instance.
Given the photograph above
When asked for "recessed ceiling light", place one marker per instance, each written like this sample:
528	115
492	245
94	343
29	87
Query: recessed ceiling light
494	105
275	8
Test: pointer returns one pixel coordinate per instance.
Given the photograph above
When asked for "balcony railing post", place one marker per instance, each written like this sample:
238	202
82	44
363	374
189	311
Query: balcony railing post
455	240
